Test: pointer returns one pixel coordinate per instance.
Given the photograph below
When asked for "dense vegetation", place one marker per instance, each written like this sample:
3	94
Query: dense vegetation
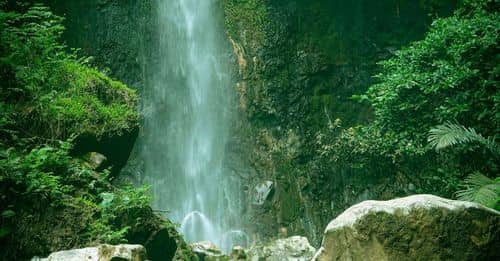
429	124
49	198
341	97
450	76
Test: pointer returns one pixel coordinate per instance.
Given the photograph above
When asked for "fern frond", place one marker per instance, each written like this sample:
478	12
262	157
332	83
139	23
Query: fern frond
481	189
450	134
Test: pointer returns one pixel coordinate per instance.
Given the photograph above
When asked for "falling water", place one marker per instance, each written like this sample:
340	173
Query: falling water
187	107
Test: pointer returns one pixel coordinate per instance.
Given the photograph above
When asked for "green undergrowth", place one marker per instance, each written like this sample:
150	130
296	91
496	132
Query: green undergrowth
52	201
49	199
51	92
252	14
449	76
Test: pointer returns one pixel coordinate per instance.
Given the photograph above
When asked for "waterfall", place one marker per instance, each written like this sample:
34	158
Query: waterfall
188	114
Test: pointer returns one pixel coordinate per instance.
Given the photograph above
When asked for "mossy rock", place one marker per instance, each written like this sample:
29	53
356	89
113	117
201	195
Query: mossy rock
420	227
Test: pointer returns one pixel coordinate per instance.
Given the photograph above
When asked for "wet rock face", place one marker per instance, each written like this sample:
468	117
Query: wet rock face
100	253
420	227
298	64
294	248
117	34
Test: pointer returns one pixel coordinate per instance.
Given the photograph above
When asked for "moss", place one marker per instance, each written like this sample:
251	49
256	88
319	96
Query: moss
53	199
246	21
431	234
43	229
88	102
303	62
120	35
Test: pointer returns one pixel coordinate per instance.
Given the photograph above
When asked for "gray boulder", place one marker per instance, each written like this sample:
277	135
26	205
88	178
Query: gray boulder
294	248
99	253
420	227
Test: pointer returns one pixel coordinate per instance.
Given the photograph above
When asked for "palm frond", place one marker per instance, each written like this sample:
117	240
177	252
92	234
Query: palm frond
481	189
451	134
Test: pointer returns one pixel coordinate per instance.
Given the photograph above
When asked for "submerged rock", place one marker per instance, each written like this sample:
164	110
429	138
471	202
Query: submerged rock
420	227
294	248
99	253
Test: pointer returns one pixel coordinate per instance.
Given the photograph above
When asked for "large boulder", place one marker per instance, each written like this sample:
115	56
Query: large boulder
420	227
294	248
99	253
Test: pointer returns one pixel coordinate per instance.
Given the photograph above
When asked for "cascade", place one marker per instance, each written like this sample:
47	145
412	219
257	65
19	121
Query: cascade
188	115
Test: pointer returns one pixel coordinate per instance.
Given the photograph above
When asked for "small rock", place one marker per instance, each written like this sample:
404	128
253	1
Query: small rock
238	253
283	232
99	253
207	251
262	192
95	160
294	248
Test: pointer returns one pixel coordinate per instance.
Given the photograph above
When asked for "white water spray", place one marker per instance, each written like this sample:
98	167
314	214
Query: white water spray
189	105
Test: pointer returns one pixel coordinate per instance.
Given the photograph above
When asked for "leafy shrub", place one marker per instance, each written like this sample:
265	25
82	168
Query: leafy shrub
49	200
54	94
481	189
48	176
452	74
476	187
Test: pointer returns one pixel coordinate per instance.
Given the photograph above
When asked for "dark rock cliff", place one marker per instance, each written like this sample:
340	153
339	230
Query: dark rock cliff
299	64
117	34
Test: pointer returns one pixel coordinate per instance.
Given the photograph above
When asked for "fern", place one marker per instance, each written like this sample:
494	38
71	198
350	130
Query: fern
450	134
481	189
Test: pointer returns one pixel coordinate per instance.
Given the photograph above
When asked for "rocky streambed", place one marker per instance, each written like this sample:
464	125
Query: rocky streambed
419	227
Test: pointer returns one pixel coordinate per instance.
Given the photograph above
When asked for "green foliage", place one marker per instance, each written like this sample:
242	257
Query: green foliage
451	74
124	202
34	172
48	97
54	94
481	189
126	199
477	187
449	134
252	14
48	175
47	172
